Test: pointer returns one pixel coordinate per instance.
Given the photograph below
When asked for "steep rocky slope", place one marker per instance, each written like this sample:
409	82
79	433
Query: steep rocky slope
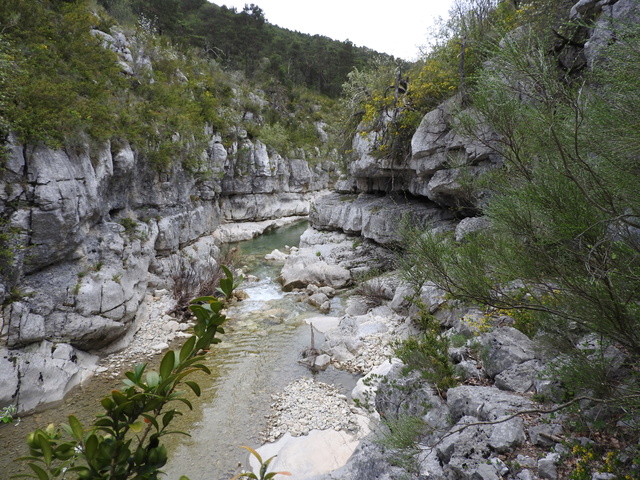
469	432
99	227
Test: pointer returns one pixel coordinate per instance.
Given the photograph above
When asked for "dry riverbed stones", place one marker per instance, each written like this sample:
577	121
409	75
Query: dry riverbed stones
306	405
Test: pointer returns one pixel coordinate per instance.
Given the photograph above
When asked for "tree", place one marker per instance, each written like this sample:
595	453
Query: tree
564	240
469	19
251	36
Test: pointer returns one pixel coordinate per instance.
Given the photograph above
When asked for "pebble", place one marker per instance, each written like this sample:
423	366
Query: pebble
306	405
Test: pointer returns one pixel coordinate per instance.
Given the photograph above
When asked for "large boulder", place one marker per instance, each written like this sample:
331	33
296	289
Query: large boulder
485	403
520	378
503	348
305	267
41	373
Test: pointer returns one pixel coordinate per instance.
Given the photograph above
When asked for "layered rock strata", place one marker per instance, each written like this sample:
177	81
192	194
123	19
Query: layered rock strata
93	228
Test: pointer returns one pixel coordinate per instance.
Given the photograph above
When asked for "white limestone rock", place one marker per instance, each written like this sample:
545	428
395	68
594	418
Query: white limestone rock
506	347
276	255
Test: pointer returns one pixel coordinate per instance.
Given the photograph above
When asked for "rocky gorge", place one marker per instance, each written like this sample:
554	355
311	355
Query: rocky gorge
101	231
506	417
100	228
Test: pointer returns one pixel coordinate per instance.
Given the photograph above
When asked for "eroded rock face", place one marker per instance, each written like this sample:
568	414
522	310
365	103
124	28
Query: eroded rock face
441	159
96	227
378	218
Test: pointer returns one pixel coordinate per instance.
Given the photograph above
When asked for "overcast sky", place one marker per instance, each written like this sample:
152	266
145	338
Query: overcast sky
394	27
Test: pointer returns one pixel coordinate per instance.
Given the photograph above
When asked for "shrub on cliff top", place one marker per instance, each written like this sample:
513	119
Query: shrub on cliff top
63	80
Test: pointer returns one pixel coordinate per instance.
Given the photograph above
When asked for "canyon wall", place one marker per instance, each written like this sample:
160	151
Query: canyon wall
94	228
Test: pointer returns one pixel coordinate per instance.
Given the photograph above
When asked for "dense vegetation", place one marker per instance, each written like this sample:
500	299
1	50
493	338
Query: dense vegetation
246	41
196	68
561	253
389	100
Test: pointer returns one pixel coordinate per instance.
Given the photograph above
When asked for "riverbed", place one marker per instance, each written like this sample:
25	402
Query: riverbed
257	359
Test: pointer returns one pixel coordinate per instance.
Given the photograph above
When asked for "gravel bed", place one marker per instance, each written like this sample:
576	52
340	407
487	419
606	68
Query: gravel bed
307	405
155	331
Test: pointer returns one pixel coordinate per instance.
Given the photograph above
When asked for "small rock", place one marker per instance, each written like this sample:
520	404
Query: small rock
485	472
171	326
526	461
317	299
500	466
541	435
507	436
325	307
322	361
603	476
525	475
547	466
328	291
276	255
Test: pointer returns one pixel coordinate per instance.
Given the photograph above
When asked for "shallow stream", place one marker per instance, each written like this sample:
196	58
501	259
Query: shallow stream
257	358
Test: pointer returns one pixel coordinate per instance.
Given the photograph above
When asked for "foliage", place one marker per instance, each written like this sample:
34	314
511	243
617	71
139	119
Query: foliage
125	441
67	88
561	199
547	18
189	281
6	71
129	224
51	108
587	460
401	438
8	249
173	105
428	353
264	466
591	367
7	414
244	40
61	87
562	245
374	291
390	99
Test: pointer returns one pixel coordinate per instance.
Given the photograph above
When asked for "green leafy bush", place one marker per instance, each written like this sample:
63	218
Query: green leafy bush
125	441
263	473
428	353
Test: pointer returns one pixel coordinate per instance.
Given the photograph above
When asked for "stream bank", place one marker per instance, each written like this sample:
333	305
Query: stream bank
257	359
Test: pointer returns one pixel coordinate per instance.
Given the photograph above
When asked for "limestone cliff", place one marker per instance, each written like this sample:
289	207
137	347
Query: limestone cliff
96	227
380	194
431	186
